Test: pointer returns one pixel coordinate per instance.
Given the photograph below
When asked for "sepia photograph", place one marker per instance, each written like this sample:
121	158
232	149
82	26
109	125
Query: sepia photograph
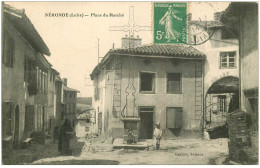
129	83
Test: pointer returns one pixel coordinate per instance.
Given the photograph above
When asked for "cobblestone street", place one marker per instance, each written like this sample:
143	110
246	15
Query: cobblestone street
171	152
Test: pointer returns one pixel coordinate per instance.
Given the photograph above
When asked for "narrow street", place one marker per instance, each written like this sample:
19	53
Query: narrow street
172	152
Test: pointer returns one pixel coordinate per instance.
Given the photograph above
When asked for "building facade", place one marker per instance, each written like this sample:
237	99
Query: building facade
221	80
22	52
150	84
245	25
70	103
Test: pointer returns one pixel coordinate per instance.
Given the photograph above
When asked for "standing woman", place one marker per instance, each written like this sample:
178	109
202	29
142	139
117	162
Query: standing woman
170	20
157	134
64	138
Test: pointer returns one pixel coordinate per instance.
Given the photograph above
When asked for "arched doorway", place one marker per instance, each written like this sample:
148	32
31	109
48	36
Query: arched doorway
221	98
16	128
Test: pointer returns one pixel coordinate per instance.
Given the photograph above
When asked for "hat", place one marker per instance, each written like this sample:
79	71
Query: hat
157	123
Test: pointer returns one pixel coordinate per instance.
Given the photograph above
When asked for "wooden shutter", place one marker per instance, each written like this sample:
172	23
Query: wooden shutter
7	108
174	117
173	83
214	103
29	118
100	120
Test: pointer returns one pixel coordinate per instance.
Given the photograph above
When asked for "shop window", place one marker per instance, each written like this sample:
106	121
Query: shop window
174	117
147	82
228	60
174	83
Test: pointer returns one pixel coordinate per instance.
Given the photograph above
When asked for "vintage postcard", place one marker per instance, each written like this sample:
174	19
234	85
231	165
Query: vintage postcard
123	83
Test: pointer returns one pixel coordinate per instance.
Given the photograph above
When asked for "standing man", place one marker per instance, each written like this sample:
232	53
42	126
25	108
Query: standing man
157	135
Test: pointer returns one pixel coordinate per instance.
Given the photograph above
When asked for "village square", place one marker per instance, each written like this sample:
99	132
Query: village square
187	97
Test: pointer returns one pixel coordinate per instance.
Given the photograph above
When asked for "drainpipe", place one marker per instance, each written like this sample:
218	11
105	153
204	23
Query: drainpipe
203	98
239	64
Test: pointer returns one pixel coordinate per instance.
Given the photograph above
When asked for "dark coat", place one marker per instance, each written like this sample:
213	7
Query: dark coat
64	138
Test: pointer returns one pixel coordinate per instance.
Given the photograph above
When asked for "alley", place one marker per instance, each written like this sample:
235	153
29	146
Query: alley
192	151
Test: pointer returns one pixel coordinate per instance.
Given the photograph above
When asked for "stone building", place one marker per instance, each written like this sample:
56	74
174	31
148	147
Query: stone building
221	69
140	86
54	100
242	18
70	102
24	86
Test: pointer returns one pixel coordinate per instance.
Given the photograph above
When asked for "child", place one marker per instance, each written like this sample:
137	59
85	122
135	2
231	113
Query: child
157	135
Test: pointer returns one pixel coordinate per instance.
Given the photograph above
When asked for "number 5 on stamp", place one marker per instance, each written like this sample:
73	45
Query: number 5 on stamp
170	23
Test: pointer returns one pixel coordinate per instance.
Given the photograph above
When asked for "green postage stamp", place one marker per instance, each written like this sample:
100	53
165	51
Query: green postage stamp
170	23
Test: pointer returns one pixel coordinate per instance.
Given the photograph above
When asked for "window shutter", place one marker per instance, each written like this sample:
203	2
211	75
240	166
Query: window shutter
174	117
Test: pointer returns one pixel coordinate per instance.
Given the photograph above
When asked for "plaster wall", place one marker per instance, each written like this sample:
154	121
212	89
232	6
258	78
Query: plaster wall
14	89
212	49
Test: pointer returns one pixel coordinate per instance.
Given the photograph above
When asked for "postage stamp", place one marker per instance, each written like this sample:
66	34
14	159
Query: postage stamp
170	23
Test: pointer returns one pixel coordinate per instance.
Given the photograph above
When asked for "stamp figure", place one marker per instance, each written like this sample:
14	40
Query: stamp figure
170	23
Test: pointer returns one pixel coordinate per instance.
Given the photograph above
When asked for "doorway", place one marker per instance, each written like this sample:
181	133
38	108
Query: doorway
99	122
146	123
16	128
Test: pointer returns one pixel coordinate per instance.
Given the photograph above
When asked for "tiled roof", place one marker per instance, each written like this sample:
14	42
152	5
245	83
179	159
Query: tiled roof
181	51
69	89
86	114
207	23
24	25
154	50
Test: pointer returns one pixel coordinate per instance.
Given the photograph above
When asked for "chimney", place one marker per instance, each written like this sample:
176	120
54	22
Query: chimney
217	16
65	80
131	42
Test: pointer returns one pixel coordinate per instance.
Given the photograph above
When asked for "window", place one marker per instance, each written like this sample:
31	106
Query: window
222	103
42	81
29	118
39	117
45	83
39	79
86	129
227	60
174	83
67	108
96	94
174	117
147	84
9	47
74	107
71	108
88	120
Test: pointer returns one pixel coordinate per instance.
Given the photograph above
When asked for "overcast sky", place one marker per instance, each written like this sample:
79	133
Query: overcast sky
73	40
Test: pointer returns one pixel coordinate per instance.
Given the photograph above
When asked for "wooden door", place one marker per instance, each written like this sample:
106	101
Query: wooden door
146	122
16	128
